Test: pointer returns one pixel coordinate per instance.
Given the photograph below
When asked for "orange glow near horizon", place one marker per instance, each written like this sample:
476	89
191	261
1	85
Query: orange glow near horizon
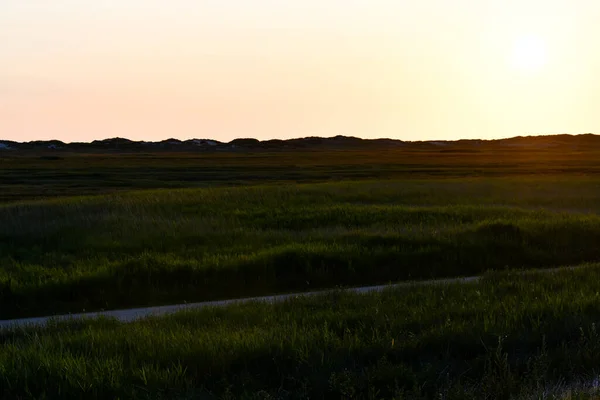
433	69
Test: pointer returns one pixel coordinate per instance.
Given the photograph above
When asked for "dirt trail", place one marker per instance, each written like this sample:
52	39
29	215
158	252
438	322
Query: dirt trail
132	314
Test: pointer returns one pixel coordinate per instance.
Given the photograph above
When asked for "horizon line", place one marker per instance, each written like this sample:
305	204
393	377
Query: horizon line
304	137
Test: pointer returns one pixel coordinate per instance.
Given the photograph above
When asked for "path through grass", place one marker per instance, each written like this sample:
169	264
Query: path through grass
170	246
509	336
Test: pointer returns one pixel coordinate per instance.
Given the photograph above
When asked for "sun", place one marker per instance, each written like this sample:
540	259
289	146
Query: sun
529	54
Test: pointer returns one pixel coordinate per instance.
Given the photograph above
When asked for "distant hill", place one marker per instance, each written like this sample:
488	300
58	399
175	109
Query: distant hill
563	142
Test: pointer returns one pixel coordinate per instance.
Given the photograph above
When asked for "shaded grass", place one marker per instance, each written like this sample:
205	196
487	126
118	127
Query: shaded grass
170	246
31	175
509	336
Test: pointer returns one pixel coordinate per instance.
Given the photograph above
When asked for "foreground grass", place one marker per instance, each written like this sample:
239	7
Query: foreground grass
171	246
510	336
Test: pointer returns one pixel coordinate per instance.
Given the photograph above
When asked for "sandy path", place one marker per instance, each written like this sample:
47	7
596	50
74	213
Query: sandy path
132	314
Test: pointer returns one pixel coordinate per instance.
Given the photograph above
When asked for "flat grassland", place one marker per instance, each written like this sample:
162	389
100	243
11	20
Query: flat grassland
43	174
532	336
69	253
103	231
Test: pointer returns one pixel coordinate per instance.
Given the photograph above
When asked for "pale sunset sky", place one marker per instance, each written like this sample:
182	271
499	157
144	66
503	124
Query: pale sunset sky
79	70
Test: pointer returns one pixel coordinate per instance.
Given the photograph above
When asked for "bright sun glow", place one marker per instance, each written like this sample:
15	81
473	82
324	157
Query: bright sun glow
529	53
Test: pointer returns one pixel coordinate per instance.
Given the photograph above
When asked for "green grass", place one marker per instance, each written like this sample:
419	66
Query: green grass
510	336
154	247
103	231
46	174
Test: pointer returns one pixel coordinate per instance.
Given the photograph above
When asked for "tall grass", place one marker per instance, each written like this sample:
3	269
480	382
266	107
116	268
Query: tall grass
510	336
169	246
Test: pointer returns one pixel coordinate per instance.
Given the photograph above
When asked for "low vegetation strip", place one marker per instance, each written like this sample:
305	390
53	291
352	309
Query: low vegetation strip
48	173
159	247
132	314
507	336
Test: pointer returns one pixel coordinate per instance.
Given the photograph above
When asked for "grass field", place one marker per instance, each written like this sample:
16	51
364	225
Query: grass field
105	231
528	336
34	175
167	246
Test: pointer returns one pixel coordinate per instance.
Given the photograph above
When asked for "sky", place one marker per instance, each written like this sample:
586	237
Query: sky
412	70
